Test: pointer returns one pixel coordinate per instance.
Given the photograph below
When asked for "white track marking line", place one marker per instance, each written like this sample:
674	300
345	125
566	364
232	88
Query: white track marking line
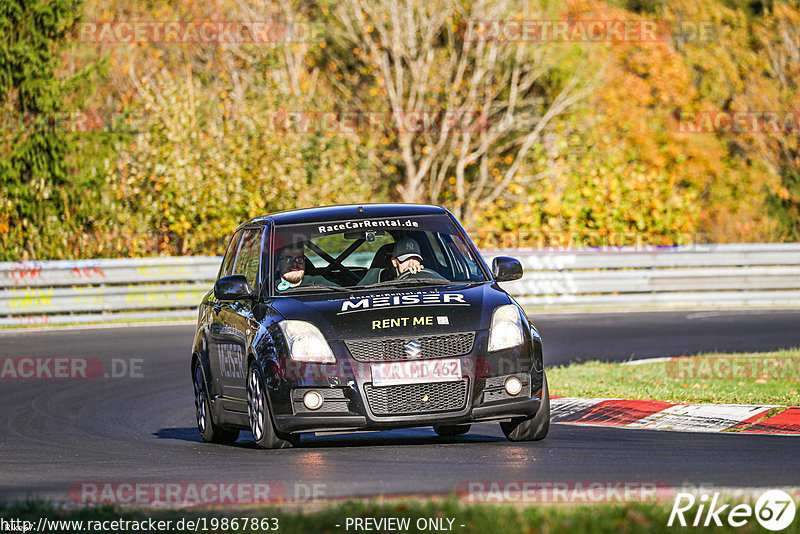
650	360
699	417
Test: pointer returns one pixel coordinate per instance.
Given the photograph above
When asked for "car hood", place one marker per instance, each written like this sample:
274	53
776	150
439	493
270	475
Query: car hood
391	312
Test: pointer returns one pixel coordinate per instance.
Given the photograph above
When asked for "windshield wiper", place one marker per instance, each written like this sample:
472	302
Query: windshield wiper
406	282
303	289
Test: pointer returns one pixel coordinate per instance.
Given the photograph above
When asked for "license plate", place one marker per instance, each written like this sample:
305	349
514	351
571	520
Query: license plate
415	372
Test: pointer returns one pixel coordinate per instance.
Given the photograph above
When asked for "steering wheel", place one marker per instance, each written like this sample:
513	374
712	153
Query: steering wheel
424	273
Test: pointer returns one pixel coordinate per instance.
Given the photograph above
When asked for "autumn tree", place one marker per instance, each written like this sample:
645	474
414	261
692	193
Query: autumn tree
779	38
207	154
414	57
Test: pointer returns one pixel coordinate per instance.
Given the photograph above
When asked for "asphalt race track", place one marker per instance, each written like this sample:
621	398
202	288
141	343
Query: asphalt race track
141	428
570	337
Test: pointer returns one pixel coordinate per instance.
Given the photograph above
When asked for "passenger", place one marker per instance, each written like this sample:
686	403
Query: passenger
291	269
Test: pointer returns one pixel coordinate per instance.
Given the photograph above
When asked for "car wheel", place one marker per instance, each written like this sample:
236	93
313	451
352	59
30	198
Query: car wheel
264	433
210	432
532	428
451	430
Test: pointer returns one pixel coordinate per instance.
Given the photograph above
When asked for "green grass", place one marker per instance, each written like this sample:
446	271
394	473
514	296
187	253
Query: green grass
759	378
476	518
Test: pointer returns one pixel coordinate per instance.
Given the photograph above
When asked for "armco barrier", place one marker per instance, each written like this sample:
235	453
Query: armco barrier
692	275
51	292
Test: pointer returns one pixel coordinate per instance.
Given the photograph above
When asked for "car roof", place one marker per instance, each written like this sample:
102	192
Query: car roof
343	212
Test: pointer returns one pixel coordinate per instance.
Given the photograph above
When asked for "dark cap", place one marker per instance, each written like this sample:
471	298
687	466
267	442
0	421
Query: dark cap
406	248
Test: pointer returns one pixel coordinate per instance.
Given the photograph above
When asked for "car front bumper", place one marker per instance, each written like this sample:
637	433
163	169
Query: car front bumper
346	423
349	406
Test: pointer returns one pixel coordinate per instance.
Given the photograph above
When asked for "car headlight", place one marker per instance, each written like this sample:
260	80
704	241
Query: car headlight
306	342
506	331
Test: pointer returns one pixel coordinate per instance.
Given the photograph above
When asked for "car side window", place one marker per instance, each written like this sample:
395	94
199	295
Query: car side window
230	255
247	260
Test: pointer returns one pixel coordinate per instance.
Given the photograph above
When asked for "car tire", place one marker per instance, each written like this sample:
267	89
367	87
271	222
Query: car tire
209	431
451	430
532	428
264	433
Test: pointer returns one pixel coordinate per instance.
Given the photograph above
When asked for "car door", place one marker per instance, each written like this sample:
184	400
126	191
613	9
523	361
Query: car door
238	325
214	328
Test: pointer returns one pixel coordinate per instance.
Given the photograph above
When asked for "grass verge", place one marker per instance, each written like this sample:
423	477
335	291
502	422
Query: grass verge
744	378
333	517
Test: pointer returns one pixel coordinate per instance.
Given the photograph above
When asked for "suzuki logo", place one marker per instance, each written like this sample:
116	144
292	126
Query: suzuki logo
413	349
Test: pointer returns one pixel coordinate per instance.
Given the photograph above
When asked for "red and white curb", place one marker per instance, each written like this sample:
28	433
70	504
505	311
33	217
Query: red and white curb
660	415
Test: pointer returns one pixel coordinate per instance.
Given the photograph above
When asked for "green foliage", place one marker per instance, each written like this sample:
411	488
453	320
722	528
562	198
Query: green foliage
195	172
610	168
37	149
778	41
785	203
746	378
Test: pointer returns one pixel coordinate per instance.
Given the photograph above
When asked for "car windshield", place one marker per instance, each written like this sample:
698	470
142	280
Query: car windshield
365	253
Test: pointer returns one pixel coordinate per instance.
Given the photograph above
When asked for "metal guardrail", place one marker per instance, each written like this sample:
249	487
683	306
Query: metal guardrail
51	292
694	275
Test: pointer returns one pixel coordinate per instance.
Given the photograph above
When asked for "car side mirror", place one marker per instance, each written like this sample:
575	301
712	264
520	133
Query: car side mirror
233	287
505	269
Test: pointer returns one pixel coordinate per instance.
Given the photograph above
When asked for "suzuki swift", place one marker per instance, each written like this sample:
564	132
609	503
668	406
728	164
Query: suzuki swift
363	317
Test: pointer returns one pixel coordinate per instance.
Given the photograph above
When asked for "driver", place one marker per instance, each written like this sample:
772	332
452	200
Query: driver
291	267
406	257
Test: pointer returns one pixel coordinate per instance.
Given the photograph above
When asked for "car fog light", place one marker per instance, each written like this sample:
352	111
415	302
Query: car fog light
513	385
312	400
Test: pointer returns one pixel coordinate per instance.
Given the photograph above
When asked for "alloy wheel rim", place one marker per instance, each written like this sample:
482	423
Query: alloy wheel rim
199	400
255	404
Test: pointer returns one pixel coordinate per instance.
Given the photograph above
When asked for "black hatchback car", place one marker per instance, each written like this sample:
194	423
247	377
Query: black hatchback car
363	317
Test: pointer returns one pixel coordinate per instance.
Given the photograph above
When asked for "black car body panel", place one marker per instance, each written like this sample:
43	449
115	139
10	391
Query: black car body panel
363	326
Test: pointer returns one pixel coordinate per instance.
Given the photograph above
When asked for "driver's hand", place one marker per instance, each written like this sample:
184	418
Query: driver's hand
414	266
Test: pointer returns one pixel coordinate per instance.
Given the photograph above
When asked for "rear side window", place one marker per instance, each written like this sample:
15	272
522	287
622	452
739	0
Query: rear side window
247	260
227	261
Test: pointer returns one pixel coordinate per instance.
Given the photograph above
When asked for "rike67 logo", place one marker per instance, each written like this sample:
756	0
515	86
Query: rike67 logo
774	510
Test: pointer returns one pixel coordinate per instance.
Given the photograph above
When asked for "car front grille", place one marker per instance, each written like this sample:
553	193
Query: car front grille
392	349
417	398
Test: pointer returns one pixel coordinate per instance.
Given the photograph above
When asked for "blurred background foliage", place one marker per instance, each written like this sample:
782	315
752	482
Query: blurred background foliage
583	147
